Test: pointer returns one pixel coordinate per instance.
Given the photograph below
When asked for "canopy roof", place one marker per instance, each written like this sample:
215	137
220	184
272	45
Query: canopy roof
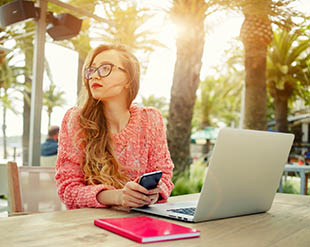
208	133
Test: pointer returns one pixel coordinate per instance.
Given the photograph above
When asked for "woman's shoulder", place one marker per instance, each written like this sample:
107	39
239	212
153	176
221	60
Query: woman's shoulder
147	112
149	115
72	116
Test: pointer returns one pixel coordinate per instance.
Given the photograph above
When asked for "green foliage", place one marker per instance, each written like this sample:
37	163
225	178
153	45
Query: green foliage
4	197
290	188
81	42
129	25
52	98
159	103
219	101
9	83
219	97
191	180
288	65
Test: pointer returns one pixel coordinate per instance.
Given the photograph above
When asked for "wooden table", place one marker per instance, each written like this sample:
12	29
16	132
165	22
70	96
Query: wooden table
286	224
303	171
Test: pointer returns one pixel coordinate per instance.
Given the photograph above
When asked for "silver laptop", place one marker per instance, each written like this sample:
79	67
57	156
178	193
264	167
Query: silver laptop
242	177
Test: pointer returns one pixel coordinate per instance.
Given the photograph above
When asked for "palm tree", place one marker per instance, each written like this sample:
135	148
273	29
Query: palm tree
256	34
219	97
51	99
219	100
80	43
129	27
8	78
189	16
24	44
286	69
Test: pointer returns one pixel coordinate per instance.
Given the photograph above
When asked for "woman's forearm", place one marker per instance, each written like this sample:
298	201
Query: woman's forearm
132	195
110	197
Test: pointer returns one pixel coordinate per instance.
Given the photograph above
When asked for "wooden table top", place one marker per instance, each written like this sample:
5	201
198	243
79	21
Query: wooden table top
287	223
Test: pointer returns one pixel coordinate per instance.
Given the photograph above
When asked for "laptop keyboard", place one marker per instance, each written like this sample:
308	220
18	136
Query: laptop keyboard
187	211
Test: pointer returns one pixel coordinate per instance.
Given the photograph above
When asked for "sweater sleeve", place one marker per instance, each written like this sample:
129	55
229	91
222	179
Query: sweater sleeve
159	155
69	175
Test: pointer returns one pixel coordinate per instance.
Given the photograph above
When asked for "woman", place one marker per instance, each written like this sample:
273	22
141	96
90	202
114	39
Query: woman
107	143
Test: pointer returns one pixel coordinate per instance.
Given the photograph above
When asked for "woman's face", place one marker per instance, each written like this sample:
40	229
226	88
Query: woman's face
115	84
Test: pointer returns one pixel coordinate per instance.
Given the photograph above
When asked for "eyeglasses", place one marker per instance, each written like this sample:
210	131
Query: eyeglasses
104	70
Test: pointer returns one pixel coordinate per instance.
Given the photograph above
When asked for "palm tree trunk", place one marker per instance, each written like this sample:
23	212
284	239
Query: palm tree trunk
26	46
183	94
26	127
281	97
49	118
256	34
5	153
205	120
255	88
281	109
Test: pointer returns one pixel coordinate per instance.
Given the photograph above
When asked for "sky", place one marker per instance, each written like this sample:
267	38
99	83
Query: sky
158	77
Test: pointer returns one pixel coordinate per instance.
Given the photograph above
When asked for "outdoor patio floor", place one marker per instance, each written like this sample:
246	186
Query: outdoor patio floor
3	208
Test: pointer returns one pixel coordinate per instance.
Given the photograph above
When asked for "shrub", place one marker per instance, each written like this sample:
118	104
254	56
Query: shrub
289	188
191	180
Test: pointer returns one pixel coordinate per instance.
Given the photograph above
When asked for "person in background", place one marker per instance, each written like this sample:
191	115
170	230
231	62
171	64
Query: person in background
107	142
49	148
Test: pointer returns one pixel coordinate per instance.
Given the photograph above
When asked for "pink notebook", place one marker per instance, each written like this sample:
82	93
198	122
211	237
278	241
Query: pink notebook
144	229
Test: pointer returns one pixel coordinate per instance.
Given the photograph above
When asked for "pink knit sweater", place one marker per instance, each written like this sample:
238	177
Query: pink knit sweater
141	147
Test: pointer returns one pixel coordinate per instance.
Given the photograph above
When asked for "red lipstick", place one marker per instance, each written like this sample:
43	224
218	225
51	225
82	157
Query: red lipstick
96	85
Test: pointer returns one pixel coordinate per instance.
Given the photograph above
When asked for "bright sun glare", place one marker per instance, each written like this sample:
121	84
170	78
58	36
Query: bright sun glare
157	80
159	75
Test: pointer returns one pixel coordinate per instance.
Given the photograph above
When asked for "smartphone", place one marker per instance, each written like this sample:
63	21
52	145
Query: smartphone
150	180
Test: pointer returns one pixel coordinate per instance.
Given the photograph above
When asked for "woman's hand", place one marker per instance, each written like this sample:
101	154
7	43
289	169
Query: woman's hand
154	195
135	195
132	195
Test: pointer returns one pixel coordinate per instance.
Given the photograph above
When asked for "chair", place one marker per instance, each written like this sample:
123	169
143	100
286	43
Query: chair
32	189
48	160
3	179
3	187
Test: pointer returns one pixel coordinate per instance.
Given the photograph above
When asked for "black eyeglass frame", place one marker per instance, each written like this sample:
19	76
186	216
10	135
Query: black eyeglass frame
97	70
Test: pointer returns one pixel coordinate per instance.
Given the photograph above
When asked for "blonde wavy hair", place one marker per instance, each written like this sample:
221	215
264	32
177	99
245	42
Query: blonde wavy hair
101	165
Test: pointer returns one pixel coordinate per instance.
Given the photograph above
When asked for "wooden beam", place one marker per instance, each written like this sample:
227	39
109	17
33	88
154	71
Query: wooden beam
37	89
80	11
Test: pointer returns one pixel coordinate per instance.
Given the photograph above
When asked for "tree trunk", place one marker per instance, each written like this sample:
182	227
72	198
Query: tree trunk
205	114
281	105
26	130
49	118
183	93
255	88
26	113
205	123
281	108
5	152
256	34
